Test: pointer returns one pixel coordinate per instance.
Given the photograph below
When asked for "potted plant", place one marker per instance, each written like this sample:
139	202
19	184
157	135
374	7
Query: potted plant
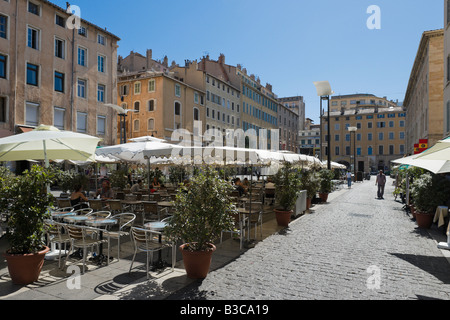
202	211
311	183
326	185
287	188
428	192
25	202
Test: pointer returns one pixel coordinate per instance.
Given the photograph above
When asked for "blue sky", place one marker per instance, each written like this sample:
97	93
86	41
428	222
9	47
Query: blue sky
287	43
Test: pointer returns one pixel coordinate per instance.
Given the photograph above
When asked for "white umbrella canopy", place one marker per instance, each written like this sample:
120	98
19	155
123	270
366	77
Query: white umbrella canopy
434	166
48	143
134	151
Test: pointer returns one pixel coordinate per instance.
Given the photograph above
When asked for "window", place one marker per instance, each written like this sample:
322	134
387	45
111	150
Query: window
101	39
402	149
336	137
101	63
151	105
381	124
380	136
60	48
402	123
58	118
33	8
101	125
196	114
391	124
391	149
82	31
101	93
151	86
369	125
402	135
81	122
369	137
81	88
196	97
82	56
32	114
2	109
380	150
124	90
33	38
3	66
151	124
177	108
3	26
391	136
337	151
369	151
32	74
137	105
60	21
59	81
136	125
137	88
177	90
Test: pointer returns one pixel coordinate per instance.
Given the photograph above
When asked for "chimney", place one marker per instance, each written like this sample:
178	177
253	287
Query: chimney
165	62
222	59
149	58
269	87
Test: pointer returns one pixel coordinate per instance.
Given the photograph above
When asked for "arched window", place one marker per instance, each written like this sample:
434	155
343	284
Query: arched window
151	105
137	105
136	125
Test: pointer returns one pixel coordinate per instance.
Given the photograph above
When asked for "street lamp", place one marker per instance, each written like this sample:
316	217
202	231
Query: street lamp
354	129
324	92
122	113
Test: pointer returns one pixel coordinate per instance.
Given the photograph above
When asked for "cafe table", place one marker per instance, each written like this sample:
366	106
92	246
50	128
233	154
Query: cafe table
100	223
247	212
440	215
59	216
158	226
132	203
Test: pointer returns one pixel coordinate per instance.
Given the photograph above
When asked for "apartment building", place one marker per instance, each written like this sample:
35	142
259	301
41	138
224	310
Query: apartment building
379	137
54	75
309	138
297	104
161	102
258	104
289	127
446	84
424	99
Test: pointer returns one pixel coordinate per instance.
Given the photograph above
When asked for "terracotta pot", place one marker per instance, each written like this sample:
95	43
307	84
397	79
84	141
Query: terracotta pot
25	268
308	203
323	197
283	217
197	263
413	211
424	220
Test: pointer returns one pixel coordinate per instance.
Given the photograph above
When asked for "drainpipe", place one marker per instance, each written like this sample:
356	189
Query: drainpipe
73	80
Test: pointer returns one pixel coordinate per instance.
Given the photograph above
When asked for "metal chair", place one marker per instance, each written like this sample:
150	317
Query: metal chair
150	211
100	214
115	206
255	218
96	205
84	211
56	235
239	223
145	240
126	221
78	239
64	202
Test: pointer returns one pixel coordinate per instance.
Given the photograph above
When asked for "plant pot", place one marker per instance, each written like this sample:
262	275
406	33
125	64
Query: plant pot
25	268
323	197
308	203
283	217
413	211
197	263
424	220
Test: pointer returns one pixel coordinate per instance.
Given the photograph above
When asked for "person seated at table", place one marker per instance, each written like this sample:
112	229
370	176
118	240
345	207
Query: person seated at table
271	194
155	185
246	184
137	186
239	187
105	191
77	198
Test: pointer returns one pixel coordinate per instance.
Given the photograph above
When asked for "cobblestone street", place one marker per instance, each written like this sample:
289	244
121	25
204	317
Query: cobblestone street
336	252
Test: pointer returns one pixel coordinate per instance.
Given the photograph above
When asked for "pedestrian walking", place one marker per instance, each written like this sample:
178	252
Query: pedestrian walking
381	182
349	179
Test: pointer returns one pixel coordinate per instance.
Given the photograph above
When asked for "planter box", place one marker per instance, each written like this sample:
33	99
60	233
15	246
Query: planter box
300	205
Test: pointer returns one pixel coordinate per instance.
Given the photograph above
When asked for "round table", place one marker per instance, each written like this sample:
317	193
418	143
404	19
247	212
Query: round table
62	215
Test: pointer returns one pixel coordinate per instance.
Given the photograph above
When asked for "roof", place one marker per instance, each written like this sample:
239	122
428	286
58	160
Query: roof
84	21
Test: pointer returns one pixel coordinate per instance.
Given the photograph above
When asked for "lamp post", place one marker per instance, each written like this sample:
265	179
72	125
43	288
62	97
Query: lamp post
324	92
353	129
122	113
